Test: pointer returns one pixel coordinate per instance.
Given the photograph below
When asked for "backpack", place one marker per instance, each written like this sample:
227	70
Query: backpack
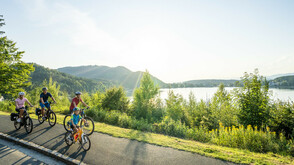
13	116
38	111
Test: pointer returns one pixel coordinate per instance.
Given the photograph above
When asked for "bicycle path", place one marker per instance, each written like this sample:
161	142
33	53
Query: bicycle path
105	149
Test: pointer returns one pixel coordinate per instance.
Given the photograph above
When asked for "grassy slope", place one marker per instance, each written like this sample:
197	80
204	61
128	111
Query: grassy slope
224	153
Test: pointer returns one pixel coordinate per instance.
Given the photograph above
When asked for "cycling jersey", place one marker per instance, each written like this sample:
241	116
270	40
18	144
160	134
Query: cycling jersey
21	102
45	96
75	118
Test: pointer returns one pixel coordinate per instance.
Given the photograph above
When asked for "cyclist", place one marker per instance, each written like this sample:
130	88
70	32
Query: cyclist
19	104
75	101
44	101
75	118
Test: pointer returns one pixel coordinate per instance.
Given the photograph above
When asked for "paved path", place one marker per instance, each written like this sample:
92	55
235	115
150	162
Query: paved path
11	153
105	149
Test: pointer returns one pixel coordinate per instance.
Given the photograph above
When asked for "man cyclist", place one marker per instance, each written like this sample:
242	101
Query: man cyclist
44	101
20	104
75	101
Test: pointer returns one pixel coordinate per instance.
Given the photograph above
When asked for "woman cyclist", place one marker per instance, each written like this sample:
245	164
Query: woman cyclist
20	105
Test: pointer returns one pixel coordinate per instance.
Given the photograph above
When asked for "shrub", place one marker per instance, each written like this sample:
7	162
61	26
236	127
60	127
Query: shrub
115	99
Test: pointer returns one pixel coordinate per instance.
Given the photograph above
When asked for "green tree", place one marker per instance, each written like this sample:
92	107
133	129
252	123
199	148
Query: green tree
222	109
14	73
174	106
115	99
145	98
253	100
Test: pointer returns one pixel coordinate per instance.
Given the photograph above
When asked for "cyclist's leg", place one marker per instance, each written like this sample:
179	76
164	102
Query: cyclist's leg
17	110
21	110
42	109
48	106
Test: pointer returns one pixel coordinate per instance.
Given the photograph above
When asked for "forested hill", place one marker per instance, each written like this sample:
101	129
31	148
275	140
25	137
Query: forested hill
118	75
67	82
204	83
283	82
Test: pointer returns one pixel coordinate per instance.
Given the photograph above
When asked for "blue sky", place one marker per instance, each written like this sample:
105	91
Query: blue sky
174	40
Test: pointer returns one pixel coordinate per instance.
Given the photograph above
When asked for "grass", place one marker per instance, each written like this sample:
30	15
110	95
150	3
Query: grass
219	152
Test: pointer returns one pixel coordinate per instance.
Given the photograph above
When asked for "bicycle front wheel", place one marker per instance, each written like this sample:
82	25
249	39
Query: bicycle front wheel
86	143
28	124
52	118
89	125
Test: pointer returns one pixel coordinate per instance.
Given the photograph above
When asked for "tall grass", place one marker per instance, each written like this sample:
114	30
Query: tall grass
253	139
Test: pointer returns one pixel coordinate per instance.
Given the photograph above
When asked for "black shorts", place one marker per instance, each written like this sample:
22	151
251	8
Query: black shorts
17	109
72	127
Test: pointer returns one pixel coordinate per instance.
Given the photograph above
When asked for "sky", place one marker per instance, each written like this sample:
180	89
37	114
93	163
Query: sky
175	41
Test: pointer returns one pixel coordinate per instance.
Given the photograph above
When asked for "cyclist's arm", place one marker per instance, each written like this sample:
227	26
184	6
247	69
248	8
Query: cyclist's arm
42	101
53	99
29	103
74	103
16	106
84	103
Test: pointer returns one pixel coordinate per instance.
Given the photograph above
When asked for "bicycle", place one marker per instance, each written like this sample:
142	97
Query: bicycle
80	136
49	114
26	121
89	124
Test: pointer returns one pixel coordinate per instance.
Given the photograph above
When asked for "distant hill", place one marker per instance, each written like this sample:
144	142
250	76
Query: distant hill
67	82
118	75
204	83
278	75
282	82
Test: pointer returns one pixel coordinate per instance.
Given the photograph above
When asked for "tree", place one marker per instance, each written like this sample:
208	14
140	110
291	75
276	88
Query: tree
222	109
253	100
144	98
14	73
115	99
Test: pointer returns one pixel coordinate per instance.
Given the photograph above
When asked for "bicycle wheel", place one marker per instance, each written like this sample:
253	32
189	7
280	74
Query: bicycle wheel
66	119
68	139
89	127
40	119
17	124
52	118
86	143
28	124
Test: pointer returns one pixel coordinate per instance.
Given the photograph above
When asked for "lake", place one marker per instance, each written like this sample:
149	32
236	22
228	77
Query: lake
207	93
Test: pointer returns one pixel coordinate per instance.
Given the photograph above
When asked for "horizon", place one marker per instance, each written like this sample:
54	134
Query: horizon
174	41
278	75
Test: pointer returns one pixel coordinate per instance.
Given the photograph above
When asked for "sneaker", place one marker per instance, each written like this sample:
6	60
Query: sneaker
18	120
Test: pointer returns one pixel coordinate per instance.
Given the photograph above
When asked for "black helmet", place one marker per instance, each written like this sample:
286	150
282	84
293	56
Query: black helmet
78	93
45	88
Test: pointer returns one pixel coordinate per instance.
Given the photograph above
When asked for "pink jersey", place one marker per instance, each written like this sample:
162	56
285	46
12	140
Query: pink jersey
21	102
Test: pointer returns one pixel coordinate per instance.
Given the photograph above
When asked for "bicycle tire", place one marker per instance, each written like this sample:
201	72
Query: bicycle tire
86	140
91	126
28	125
40	119
16	124
65	120
51	118
67	139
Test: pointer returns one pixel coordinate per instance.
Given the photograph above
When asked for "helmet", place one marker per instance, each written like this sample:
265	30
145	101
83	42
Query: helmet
21	93
78	93
76	109
45	88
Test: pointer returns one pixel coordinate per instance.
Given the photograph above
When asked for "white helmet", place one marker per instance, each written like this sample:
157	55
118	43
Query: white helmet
21	93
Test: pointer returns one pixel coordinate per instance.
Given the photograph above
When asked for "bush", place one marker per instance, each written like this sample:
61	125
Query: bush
115	99
7	106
